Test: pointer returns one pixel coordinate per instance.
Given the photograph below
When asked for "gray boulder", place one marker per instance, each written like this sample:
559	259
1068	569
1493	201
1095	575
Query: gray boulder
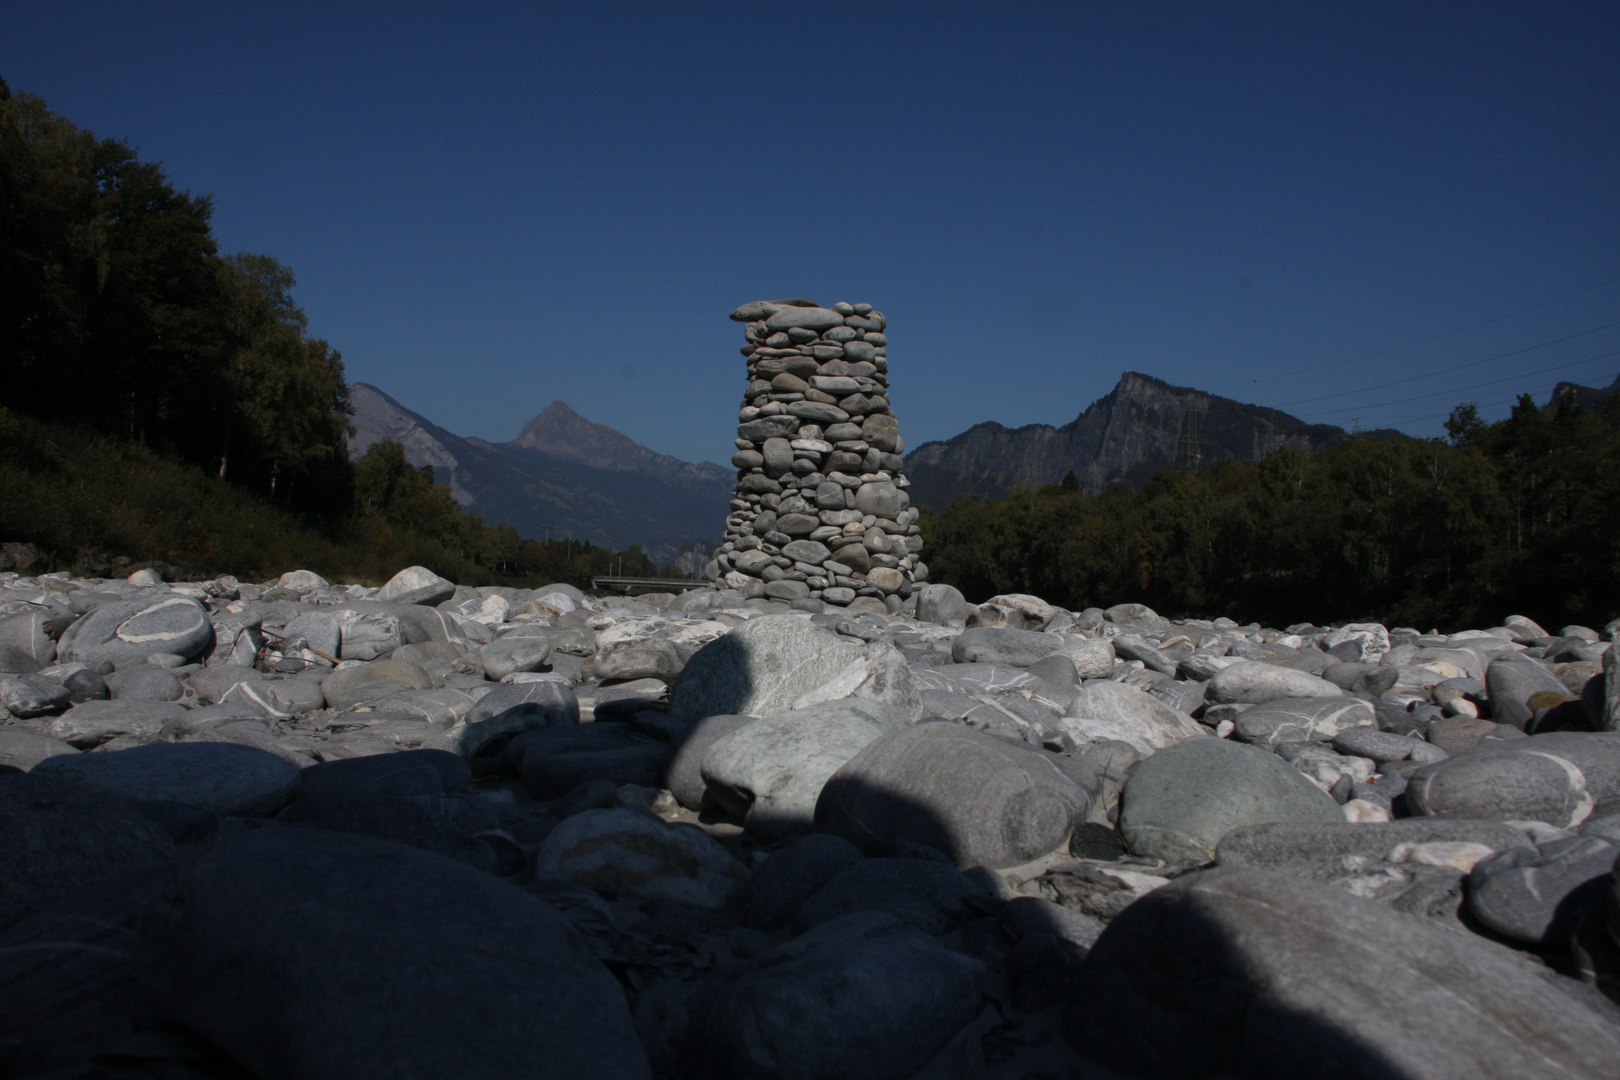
144	682
57	837
1111	710
790	874
683	770
28	633
1131	647
1001	645
979	799
1561	778
1536	894
554	761
1303	720
92	723
927	893
345	686
773	769
369	636
1324	852
860	996
1512	681
269	945
35	697
509	654
416	585
1177	804
1249	973
506	712
649	658
633	853
24	749
1254	682
759	668
224	778
69	984
135	629
1386	746
942	605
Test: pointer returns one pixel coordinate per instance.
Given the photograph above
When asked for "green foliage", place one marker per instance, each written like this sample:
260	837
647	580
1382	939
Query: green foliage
1522	515
118	313
80	496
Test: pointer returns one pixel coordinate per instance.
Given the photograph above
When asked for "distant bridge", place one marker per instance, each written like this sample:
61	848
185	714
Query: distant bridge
628	583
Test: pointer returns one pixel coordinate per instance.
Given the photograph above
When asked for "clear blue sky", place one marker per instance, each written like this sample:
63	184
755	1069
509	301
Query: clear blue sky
490	206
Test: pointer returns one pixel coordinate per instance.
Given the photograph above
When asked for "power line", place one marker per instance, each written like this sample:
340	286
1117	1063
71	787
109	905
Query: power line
1438	393
1434	337
1449	370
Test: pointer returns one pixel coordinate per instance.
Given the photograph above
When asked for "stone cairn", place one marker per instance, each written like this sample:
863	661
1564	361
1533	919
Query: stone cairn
820	511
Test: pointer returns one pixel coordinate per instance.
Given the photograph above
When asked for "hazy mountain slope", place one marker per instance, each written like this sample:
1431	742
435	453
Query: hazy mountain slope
602	487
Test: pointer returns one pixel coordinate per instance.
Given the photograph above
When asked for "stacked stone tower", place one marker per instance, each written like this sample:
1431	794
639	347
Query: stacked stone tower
820	511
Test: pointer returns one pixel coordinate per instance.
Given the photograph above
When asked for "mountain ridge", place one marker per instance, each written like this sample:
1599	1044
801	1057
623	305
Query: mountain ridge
1138	427
626	494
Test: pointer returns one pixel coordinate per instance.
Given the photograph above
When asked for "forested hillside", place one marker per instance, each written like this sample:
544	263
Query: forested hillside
165	401
1518	516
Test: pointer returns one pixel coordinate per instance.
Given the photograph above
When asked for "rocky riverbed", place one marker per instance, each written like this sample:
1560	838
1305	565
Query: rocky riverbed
298	829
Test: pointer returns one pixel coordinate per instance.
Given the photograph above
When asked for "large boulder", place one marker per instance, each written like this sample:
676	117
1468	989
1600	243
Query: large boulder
863	996
506	712
773	769
1254	682
1536	894
344	686
1253	974
1001	645
683	770
979	799
57	837
510	654
1177	804
270	946
1111	710
416	585
224	778
1297	719
128	630
788	875
1512	681
761	667
633	853
1561	778
927	893
69	985
24	749
554	761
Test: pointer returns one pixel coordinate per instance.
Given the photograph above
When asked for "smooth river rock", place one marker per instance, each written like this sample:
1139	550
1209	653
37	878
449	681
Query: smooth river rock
1246	973
271	944
1177	804
979	799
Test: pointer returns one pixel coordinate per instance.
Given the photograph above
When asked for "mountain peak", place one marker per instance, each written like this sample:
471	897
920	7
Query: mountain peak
561	432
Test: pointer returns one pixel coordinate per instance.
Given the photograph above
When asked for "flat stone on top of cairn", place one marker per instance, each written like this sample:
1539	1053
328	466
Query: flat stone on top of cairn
820	511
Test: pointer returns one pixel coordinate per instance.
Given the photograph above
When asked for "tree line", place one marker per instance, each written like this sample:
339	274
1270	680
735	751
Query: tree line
126	330
1522	515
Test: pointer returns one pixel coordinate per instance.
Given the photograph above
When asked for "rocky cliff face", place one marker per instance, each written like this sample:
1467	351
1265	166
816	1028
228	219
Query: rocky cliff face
563	475
1141	425
1588	397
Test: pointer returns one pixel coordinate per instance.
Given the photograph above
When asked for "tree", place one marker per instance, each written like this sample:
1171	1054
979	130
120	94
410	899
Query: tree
1464	425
